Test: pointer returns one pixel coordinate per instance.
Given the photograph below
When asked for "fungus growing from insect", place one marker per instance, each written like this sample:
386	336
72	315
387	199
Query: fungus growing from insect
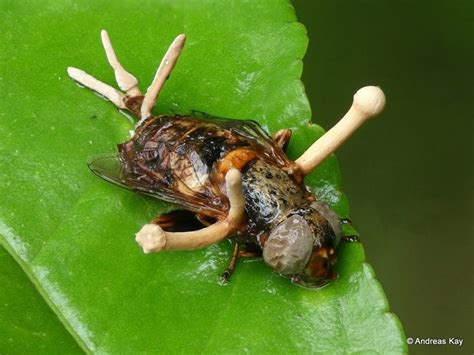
231	179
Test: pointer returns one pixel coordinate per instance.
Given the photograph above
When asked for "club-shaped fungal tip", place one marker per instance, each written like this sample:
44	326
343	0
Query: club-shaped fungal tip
151	238
72	72
104	36
370	100
178	42
233	177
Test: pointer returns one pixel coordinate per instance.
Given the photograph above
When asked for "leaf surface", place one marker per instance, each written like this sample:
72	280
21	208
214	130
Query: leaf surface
73	233
25	316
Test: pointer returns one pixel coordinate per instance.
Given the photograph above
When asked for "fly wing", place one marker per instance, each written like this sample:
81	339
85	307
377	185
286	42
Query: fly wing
257	138
175	158
111	169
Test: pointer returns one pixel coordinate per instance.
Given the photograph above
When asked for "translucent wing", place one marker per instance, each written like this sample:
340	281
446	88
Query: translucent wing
176	158
111	169
251	132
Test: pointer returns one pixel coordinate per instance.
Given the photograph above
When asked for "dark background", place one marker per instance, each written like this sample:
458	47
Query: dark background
408	173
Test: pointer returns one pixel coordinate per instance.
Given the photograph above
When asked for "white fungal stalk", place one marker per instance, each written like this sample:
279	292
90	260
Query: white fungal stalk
126	81
110	93
368	102
152	238
166	66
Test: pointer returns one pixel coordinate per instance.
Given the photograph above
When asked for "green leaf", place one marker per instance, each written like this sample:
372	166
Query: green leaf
25	316
73	233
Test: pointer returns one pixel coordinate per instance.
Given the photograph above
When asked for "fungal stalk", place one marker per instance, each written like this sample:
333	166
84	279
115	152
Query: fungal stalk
107	91
126	81
368	102
164	70
152	238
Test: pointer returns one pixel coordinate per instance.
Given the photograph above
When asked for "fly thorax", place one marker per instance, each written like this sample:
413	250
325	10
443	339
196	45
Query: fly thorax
270	194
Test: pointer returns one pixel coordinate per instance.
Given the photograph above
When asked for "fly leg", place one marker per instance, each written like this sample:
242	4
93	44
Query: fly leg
349	238
282	138
238	252
231	267
126	81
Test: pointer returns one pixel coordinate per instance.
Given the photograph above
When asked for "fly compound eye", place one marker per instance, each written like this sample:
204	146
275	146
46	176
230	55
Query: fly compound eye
288	248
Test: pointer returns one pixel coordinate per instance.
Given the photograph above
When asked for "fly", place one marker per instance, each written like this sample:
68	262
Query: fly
230	178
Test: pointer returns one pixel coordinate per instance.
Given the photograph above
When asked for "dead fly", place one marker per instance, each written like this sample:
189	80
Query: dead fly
231	179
